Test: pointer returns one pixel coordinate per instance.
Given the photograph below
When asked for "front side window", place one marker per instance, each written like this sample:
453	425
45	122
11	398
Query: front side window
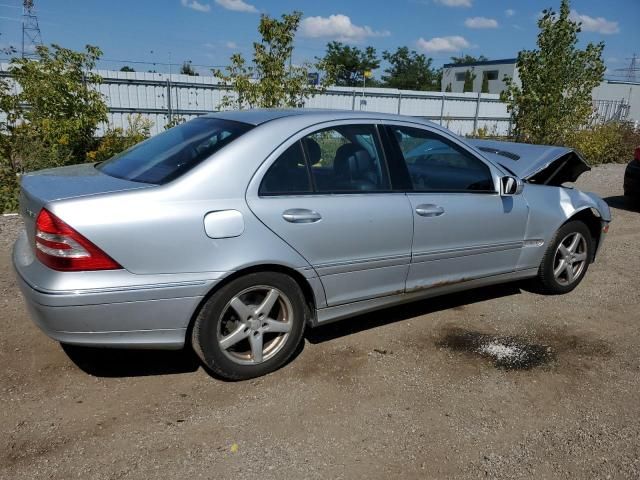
346	159
170	154
436	164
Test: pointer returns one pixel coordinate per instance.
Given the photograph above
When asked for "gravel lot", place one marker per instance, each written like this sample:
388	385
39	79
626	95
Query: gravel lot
411	391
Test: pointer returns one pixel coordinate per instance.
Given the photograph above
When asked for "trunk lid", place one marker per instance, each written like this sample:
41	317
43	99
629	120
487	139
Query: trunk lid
44	186
542	164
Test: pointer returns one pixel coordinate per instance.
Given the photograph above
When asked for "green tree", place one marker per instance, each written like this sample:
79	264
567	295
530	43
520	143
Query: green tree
469	78
350	63
127	68
271	80
187	69
468	59
118	139
557	78
409	70
485	83
52	118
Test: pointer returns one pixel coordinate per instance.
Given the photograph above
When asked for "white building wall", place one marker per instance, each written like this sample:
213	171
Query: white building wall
495	86
618	90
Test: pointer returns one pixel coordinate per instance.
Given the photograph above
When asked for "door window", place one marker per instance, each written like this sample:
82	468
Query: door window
436	164
346	159
288	175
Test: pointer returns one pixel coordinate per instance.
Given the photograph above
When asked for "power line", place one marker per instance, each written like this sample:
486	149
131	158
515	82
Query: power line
164	64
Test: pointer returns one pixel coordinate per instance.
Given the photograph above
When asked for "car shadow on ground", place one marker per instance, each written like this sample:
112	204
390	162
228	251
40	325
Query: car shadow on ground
407	311
620	202
120	363
113	362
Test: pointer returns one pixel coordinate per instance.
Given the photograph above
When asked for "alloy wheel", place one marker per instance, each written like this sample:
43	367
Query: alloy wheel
255	325
570	259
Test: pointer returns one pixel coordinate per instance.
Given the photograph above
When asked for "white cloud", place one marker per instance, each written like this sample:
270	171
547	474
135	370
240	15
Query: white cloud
453	43
237	6
337	27
196	5
481	22
597	24
509	12
217	45
454	3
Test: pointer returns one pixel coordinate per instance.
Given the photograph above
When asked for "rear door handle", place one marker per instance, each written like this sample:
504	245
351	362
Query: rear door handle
429	210
301	215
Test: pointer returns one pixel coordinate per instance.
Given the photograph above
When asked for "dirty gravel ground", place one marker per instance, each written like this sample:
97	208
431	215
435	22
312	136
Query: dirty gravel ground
378	396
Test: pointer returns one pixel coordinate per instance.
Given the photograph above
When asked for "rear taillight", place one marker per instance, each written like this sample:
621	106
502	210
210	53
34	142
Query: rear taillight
636	154
60	247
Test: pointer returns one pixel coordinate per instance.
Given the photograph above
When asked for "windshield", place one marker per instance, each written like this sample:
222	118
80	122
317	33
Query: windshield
167	156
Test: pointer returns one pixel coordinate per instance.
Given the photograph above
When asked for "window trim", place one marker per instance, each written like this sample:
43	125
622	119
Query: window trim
438	135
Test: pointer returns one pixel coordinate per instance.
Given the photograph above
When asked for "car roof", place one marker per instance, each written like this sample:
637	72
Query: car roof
312	115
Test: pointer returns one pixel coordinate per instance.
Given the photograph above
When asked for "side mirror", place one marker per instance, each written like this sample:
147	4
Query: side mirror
510	186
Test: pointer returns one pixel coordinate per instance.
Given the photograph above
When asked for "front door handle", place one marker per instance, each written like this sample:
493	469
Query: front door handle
301	215
429	210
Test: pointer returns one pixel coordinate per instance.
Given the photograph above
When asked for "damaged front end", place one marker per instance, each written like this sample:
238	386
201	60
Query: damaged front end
539	164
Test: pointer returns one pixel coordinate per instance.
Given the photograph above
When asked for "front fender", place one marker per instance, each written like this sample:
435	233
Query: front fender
549	208
600	205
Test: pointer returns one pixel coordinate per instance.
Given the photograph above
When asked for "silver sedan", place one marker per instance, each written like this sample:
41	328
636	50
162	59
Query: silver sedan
234	232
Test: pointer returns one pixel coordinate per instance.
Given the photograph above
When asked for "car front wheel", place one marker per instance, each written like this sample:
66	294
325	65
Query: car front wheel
566	259
251	326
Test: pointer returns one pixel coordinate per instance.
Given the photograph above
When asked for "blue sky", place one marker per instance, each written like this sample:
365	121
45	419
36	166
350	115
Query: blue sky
208	31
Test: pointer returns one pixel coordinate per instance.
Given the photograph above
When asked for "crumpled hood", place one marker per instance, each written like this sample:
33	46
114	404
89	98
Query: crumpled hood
543	164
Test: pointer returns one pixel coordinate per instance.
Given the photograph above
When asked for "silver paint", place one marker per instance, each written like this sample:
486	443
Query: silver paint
356	252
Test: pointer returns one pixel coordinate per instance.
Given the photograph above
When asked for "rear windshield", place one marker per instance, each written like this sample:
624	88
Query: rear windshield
166	156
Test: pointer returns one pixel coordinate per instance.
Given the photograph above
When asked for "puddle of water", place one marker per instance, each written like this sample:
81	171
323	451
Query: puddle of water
510	353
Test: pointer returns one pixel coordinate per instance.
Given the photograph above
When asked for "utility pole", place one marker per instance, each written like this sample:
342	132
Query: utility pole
31	36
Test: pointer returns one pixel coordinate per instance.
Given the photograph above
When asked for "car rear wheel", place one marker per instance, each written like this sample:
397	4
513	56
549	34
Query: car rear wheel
566	259
251	326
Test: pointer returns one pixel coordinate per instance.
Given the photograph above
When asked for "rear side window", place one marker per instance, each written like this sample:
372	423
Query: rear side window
288	175
167	156
436	164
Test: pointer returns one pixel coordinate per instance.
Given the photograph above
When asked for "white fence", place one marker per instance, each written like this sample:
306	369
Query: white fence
161	97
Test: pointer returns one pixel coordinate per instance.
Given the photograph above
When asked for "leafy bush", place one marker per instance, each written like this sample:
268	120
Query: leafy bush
609	143
116	140
51	119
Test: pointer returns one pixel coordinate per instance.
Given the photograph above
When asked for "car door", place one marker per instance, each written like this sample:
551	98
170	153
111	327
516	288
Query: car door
463	228
327	193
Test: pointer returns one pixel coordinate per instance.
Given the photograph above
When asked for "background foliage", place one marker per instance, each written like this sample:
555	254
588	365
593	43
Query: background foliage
52	118
116	139
271	80
612	142
557	78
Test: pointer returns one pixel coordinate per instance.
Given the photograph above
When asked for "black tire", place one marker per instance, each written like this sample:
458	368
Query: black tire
546	282
209	322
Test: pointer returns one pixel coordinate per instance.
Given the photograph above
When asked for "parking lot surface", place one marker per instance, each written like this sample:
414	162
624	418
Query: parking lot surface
497	382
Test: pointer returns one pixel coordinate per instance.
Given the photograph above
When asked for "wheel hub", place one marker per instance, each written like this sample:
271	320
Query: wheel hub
254	324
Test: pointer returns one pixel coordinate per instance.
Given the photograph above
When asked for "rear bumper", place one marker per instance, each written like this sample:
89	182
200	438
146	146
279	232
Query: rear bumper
134	316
